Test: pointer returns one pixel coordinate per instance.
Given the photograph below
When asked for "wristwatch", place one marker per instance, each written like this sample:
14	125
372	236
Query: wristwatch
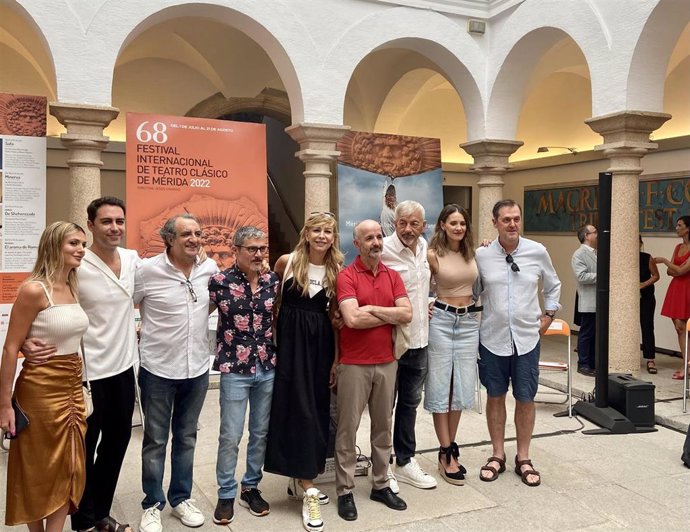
550	313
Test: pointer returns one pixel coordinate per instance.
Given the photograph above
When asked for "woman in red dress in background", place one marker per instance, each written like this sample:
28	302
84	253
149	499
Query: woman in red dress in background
677	302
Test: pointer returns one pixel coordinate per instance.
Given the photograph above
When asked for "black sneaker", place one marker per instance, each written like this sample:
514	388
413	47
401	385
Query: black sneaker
225	512
252	499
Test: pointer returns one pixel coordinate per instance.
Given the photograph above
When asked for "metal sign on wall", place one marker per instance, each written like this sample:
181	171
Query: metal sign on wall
565	208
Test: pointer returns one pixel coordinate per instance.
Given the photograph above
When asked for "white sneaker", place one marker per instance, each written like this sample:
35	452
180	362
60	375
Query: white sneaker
189	514
296	491
311	511
151	520
392	481
413	474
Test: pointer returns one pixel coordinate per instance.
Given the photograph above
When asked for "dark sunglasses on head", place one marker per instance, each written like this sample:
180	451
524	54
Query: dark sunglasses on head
513	265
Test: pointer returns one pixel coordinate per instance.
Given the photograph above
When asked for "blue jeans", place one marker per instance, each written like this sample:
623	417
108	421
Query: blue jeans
451	381
412	368
164	401
235	391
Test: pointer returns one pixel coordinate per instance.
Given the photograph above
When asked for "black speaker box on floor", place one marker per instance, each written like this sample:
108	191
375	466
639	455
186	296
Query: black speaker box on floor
633	398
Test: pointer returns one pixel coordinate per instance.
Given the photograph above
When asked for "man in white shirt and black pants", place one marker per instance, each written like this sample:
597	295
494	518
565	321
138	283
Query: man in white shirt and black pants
106	286
405	252
510	269
172	289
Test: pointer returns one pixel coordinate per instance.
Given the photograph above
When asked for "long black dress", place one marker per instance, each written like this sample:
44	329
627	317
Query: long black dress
298	429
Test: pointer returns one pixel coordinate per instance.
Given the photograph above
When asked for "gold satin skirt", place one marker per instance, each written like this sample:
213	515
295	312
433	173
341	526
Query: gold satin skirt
46	467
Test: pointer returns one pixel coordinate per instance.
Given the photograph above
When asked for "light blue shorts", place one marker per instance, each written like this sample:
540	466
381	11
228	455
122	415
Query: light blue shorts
453	345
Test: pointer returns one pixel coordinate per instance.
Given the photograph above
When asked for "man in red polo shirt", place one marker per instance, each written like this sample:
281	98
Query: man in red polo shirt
372	299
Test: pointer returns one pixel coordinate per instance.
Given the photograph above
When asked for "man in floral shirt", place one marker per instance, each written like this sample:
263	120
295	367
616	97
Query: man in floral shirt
245	356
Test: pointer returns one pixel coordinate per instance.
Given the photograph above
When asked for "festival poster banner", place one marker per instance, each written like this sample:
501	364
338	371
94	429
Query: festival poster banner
378	171
22	193
213	169
565	208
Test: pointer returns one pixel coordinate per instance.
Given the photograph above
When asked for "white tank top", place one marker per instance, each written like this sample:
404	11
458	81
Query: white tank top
60	325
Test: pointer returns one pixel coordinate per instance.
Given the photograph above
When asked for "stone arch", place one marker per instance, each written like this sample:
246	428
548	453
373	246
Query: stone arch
525	37
35	51
272	27
269	102
647	73
436	37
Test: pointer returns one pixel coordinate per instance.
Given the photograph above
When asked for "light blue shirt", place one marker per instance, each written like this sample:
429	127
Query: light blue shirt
511	299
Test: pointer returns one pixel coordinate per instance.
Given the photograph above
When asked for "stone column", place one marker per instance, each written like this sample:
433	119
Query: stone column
84	141
626	141
491	164
317	144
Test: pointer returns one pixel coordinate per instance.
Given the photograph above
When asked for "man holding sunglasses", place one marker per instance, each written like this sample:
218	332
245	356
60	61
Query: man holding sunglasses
510	269
171	289
246	359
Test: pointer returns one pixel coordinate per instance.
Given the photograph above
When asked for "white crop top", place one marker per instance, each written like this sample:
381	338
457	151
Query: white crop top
60	325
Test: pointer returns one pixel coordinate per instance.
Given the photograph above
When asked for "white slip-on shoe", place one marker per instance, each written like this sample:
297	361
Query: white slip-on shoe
151	520
189	514
412	474
392	481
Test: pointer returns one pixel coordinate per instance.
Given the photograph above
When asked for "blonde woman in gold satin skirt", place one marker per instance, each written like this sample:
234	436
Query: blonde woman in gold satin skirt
46	465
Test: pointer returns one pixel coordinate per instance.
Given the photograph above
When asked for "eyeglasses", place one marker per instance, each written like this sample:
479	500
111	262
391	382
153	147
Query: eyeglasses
253	249
513	265
190	287
327	213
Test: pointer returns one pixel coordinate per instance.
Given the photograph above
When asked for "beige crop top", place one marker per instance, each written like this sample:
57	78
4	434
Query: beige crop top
60	325
455	276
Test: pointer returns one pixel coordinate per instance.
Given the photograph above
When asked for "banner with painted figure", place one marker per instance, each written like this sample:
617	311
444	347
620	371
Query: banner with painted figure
376	172
213	169
22	192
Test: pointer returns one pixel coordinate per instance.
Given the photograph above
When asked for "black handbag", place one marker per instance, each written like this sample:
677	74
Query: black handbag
21	421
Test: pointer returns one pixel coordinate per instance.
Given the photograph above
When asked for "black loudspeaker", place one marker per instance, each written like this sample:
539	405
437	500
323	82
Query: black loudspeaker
633	398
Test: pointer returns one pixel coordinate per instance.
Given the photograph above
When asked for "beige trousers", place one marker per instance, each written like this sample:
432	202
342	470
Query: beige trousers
358	386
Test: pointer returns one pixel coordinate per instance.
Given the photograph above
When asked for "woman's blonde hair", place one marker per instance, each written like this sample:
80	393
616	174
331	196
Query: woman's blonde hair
333	260
49	260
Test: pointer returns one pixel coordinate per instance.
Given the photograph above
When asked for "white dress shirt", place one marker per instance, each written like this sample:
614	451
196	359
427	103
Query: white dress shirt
174	341
111	340
415	272
511	299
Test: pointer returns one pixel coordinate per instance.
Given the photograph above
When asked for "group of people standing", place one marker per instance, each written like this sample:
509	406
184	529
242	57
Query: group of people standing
285	338
676	304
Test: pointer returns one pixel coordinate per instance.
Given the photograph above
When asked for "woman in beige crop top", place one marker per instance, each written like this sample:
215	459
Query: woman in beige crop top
46	471
453	335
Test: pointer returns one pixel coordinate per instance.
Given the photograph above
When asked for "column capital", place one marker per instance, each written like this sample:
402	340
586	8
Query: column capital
322	137
627	129
491	155
82	118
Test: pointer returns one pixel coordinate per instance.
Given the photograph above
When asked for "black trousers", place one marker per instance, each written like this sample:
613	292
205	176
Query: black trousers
111	421
647	308
586	340
412	369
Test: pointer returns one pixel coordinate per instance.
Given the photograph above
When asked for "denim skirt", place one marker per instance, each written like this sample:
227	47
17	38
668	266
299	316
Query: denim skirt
453	347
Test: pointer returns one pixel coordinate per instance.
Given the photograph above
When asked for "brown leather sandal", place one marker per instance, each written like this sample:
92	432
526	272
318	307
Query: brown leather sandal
524	474
494	472
651	367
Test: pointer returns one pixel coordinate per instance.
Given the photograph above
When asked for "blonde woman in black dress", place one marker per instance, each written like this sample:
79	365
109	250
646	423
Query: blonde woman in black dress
300	413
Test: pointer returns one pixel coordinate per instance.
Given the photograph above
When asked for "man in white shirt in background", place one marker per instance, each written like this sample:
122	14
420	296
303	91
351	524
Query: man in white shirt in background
106	286
405	252
172	290
510	269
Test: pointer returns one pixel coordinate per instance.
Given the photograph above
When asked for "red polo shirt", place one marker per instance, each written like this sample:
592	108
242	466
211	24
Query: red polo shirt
375	345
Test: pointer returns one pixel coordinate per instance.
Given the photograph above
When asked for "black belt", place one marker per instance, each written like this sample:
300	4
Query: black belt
458	310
